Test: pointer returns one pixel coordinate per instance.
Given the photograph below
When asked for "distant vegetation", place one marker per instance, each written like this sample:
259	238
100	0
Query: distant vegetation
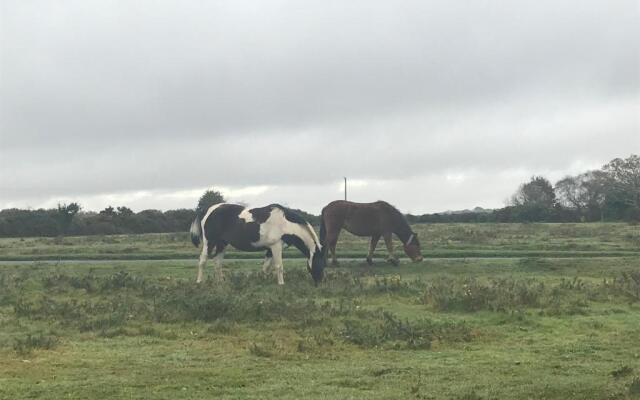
611	193
21	223
608	194
457	240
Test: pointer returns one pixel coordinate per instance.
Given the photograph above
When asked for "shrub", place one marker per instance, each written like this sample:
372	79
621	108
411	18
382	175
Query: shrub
26	345
384	327
446	294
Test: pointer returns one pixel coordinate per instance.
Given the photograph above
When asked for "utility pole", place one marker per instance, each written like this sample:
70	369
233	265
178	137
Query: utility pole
345	188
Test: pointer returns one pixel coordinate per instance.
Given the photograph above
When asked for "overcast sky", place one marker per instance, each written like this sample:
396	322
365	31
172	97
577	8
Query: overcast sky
430	105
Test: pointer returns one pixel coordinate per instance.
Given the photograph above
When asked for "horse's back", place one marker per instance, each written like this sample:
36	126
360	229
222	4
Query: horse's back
336	210
362	219
347	207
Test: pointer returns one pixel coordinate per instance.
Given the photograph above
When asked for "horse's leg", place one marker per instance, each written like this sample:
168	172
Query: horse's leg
268	261
332	248
217	259
372	248
392	258
332	242
333	225
276	251
203	260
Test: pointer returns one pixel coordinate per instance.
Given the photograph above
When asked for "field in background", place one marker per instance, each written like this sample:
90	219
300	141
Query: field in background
450	328
438	240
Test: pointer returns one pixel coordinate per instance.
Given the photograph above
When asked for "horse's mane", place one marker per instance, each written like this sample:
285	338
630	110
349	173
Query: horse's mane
289	214
395	210
296	218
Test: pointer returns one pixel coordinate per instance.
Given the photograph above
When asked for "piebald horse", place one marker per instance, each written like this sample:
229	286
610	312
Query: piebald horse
379	219
267	228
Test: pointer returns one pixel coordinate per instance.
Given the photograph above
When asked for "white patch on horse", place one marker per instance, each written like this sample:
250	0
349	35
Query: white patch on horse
204	254
194	228
246	216
303	232
313	234
277	225
272	229
308	237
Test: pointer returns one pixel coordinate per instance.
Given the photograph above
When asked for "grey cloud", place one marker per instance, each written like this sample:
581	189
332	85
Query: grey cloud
102	97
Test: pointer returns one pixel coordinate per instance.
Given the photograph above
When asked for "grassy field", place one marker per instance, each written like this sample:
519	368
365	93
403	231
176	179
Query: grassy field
450	328
438	240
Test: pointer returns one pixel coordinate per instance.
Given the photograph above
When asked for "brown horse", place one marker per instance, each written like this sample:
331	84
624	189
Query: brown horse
367	219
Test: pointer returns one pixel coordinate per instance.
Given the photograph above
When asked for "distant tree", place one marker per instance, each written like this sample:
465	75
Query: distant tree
124	212
595	188
209	198
65	214
180	219
570	192
107	215
626	174
537	192
622	182
15	222
150	221
108	212
533	201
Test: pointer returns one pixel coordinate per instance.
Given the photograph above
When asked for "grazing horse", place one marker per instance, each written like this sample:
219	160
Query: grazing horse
367	219
257	229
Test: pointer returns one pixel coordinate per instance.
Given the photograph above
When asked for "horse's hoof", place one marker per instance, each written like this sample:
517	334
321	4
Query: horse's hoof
393	261
369	261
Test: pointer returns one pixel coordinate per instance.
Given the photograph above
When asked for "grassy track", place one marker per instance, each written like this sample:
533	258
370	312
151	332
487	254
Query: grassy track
438	240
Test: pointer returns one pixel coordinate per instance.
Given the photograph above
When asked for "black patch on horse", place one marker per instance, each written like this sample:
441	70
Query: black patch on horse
293	240
223	226
262	214
221	220
290	215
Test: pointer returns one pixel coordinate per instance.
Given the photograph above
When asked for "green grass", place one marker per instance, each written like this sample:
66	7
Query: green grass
511	328
438	240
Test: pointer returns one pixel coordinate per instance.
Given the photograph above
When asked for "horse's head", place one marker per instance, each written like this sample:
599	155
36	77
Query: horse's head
412	248
318	262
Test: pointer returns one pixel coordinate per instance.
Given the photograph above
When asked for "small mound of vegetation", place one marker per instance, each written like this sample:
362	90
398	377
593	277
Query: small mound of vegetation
565	296
384	327
26	345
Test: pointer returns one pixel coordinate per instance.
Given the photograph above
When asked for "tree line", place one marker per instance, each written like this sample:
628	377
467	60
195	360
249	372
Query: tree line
69	219
611	193
55	222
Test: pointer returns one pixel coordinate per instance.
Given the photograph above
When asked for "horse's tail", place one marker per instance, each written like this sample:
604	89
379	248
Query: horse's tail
196	230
